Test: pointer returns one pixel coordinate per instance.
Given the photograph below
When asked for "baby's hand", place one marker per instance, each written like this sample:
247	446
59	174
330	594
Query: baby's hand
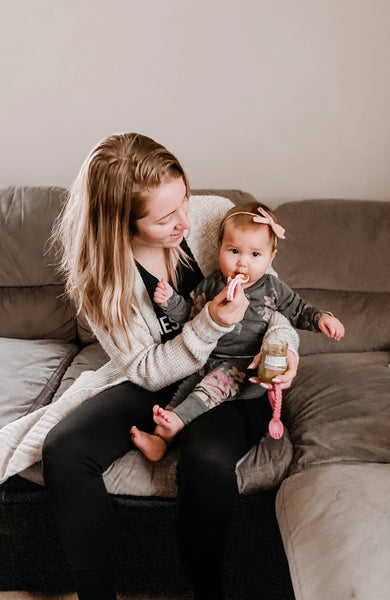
162	292
331	326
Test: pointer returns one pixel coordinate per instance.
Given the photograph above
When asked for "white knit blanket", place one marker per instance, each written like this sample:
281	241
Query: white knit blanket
21	441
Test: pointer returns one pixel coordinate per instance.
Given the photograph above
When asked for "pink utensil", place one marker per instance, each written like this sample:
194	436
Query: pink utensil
275	426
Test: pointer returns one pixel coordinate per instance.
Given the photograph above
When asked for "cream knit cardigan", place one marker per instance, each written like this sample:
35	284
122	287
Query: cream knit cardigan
150	364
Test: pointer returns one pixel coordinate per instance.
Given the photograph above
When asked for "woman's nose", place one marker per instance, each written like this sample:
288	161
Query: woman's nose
183	220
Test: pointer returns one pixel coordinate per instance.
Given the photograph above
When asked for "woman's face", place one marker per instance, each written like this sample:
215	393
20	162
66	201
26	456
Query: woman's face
166	218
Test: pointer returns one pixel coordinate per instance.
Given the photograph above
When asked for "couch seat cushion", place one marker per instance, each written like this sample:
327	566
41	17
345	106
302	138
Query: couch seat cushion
335	526
30	372
262	468
338	409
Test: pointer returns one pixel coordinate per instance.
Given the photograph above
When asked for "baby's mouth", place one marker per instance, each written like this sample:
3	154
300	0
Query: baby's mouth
243	276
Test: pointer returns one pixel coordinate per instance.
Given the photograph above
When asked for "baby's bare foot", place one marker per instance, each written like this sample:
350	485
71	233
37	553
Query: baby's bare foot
152	446
168	423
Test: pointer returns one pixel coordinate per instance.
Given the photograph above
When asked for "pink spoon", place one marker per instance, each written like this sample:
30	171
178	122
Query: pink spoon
275	426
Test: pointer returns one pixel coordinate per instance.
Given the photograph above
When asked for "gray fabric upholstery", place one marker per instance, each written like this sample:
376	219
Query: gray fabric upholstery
32	305
335	525
30	372
338	409
334	245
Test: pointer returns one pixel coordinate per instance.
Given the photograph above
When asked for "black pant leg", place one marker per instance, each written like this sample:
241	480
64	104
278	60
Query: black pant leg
210	448
75	454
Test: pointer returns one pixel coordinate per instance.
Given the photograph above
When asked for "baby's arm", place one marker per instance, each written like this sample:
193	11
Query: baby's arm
162	292
331	326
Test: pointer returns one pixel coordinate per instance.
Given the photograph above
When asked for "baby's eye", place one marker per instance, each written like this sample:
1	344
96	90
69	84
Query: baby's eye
234	250
256	254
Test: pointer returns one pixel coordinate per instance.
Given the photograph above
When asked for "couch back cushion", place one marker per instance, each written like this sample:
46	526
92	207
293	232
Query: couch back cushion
31	301
336	256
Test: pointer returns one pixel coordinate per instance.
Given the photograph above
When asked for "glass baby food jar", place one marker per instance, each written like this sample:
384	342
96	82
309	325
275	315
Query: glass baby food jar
273	360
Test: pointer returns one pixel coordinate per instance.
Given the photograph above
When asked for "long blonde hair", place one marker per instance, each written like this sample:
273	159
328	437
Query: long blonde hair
96	225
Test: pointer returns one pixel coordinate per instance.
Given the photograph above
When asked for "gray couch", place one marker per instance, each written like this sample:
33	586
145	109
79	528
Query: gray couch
329	475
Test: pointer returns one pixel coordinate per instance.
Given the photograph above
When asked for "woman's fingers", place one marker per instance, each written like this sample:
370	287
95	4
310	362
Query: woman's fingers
285	379
227	313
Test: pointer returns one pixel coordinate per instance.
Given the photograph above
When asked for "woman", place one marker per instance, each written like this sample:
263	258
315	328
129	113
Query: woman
122	230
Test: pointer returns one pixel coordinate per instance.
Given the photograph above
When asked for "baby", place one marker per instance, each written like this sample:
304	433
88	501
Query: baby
247	239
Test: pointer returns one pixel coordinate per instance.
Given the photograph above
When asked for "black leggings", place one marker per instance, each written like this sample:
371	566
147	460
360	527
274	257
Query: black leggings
85	443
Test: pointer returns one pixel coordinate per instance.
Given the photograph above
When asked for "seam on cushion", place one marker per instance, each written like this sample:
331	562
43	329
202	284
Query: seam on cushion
283	517
342	291
26	287
53	382
327	463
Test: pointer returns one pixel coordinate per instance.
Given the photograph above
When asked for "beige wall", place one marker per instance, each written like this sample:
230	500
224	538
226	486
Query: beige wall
283	98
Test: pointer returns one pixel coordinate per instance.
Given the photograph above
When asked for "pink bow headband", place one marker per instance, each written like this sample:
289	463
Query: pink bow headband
266	219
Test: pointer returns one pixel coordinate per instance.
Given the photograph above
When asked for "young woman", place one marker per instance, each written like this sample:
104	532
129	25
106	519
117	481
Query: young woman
122	230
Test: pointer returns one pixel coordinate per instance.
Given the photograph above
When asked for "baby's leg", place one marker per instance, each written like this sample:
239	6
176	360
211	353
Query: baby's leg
152	446
168	424
184	389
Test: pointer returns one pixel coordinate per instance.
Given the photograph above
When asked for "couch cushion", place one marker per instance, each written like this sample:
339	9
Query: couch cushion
262	468
30	374
335	526
359	312
336	256
90	357
335	245
338	409
26	219
32	305
36	312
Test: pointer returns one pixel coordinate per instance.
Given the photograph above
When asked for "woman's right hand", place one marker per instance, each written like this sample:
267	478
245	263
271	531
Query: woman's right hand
227	313
285	380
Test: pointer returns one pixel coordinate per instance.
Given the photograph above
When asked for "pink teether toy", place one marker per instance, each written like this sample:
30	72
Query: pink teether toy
233	283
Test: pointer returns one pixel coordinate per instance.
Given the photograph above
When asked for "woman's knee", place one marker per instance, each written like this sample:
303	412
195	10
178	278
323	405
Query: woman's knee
204	453
61	453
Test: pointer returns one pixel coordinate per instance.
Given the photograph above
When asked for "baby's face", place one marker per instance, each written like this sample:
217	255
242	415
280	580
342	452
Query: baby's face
246	251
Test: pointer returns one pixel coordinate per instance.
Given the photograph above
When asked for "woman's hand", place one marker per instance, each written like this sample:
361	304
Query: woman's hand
285	380
227	313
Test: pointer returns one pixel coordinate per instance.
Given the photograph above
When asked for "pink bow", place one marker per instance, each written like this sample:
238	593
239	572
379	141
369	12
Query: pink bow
278	230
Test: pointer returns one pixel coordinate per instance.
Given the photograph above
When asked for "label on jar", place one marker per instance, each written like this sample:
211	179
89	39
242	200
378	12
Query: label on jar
275	362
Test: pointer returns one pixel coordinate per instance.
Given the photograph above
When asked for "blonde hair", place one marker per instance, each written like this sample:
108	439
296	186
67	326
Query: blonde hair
238	215
99	219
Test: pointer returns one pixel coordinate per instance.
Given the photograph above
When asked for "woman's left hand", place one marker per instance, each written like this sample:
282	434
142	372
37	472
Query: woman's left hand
285	380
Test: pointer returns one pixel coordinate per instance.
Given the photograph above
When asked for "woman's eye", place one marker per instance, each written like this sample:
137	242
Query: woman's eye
164	221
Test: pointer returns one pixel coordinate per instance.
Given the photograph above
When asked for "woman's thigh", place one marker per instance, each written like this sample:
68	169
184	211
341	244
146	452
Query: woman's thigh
98	430
227	431
210	448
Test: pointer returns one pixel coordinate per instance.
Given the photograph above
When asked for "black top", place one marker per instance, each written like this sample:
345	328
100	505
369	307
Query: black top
188	277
